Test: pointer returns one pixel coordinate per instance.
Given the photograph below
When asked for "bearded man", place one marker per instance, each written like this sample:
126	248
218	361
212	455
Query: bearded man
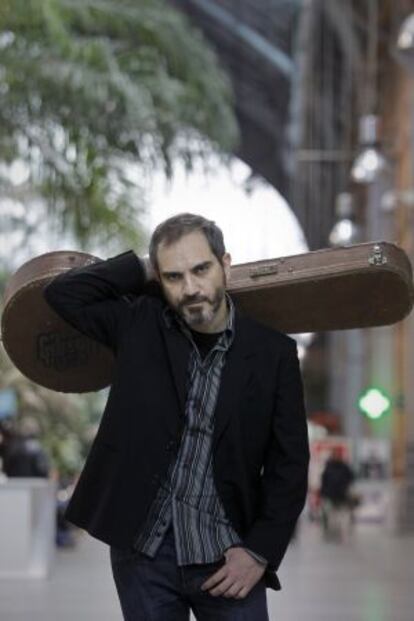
198	471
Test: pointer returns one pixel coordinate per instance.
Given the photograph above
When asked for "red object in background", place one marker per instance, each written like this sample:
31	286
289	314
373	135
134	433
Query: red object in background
329	420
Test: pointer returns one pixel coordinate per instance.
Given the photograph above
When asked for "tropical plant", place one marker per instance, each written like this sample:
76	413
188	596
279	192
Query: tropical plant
94	96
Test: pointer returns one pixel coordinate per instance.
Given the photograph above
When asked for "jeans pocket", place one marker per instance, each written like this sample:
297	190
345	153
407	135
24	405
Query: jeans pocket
197	575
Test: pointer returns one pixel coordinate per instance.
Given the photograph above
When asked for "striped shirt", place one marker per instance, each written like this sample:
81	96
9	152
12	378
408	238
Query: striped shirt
187	498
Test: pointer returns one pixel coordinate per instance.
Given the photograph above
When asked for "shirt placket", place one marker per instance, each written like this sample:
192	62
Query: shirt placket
189	440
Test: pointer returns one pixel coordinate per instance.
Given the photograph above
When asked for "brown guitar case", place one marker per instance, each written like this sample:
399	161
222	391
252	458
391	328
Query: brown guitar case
42	345
357	286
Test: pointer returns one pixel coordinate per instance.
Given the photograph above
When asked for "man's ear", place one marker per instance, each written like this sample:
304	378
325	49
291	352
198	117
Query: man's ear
226	263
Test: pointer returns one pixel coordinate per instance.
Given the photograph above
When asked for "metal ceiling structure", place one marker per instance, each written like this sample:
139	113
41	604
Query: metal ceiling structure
254	44
298	69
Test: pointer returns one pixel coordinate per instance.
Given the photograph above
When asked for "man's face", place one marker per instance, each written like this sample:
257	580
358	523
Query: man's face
194	281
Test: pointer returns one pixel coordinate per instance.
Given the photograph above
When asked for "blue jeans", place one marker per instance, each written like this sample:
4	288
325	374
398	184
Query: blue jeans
158	590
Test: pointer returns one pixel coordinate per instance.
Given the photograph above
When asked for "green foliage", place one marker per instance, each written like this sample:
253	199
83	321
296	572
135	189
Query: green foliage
96	94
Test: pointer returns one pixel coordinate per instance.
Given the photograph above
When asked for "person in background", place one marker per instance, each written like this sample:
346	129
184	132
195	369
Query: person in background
24	455
337	499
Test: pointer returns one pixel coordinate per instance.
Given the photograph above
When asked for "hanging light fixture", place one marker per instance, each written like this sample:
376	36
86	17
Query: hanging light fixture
345	231
405	43
370	162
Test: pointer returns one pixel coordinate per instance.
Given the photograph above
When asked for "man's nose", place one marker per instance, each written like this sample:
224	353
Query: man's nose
190	286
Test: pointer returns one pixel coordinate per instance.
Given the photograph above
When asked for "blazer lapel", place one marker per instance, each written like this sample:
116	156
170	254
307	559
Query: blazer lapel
233	379
178	350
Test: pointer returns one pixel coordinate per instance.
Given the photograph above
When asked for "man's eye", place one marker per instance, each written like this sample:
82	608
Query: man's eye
172	277
200	269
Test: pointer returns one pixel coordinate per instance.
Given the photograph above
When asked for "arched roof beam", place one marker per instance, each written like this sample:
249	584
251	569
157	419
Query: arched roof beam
247	35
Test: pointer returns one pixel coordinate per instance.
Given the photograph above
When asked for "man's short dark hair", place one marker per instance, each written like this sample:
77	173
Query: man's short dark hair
172	229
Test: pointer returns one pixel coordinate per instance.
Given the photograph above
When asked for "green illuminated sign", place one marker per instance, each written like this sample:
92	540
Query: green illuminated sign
374	403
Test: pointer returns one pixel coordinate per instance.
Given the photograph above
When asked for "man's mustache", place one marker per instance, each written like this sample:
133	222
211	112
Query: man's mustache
192	300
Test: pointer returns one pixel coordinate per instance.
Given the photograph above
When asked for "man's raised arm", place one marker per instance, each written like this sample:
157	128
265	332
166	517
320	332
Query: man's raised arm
93	298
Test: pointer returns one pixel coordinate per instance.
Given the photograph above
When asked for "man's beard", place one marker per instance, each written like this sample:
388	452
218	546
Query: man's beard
202	315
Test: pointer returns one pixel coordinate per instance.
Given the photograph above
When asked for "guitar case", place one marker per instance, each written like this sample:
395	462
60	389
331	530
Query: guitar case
356	286
44	347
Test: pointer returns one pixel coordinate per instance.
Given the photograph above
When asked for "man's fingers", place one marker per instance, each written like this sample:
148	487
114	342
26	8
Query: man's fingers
242	593
214	579
234	590
222	587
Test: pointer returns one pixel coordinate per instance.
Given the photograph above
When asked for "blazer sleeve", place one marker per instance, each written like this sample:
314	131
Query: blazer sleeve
285	471
94	298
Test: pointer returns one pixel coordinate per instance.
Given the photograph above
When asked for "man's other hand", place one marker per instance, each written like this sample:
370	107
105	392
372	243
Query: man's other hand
237	577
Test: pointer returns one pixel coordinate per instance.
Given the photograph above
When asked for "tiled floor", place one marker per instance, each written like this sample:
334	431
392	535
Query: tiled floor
370	579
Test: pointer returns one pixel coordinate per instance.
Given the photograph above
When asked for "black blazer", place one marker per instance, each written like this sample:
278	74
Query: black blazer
260	445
